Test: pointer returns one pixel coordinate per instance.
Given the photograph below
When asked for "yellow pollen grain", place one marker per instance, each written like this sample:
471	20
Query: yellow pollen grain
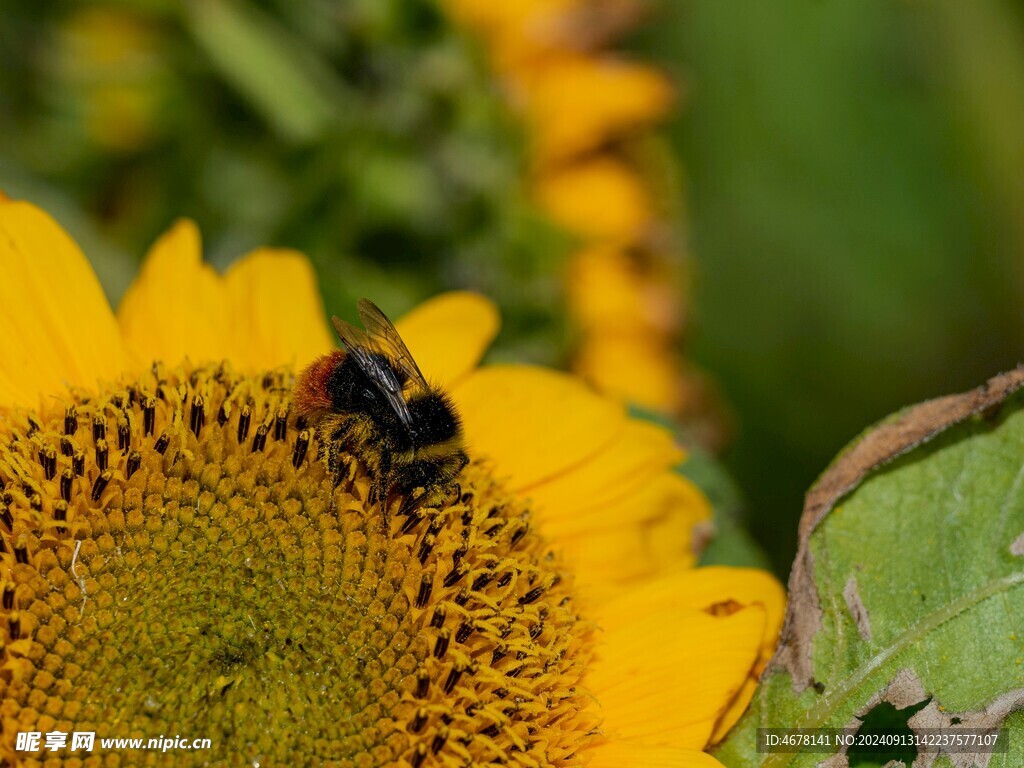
174	559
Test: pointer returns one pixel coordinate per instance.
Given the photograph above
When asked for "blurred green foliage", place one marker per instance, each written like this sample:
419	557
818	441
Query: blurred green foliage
365	133
856	180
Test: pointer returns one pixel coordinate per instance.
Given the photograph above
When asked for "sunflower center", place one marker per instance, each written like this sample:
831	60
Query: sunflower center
176	561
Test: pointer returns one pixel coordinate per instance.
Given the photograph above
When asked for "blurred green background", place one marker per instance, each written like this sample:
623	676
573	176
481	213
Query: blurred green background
854	173
856	183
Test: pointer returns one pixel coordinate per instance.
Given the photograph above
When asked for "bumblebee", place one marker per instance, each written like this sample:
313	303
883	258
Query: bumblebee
371	400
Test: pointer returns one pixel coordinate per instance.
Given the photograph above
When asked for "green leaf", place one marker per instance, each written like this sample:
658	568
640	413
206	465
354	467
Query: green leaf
906	599
266	65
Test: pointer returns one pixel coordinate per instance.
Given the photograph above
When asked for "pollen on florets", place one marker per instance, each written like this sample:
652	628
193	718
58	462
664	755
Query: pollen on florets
174	559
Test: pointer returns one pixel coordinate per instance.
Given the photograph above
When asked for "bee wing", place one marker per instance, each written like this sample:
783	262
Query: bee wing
353	338
383	332
362	347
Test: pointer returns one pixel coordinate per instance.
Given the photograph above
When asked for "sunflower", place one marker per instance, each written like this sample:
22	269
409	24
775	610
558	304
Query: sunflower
175	561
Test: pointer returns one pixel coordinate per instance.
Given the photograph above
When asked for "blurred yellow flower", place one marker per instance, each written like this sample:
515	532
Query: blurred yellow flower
517	33
600	199
584	109
576	104
633	319
175	558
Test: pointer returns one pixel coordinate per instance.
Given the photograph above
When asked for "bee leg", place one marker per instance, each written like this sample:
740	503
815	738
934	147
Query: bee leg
456	494
384	471
336	468
333	458
381	485
383	495
337	476
411	503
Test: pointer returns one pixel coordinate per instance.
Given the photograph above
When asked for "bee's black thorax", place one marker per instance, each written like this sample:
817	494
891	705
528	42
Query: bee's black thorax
427	454
352	392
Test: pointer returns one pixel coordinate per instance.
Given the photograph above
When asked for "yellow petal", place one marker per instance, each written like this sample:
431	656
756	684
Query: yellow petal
647	534
735	711
707	589
515	31
175	309
448	334
640	451
710	586
275	313
638	369
265	312
496	17
623	514
750	586
601	198
577	103
535	424
604	289
664	676
58	329
713	585
679	510
629	754
608	288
